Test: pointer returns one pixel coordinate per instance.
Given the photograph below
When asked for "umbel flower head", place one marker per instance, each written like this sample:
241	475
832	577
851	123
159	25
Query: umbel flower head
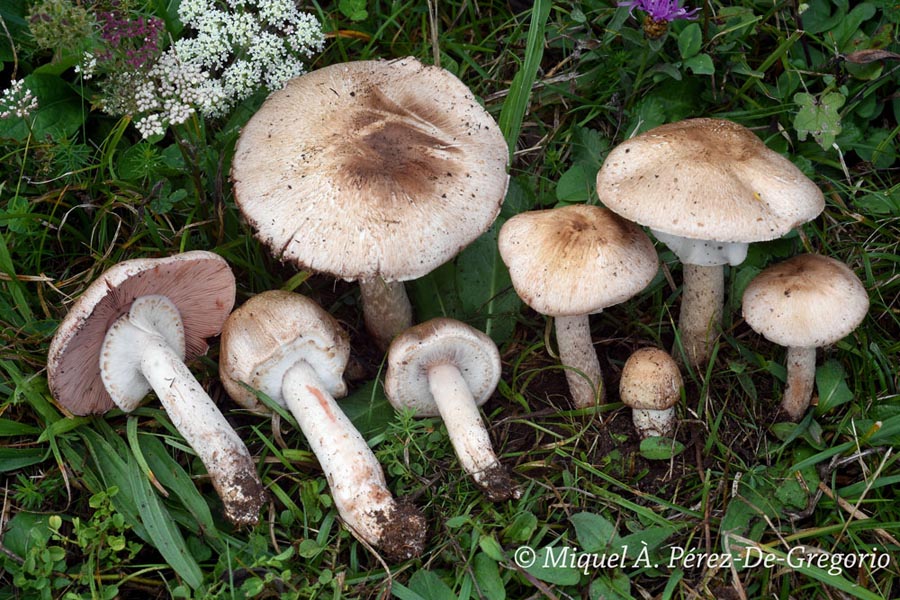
659	13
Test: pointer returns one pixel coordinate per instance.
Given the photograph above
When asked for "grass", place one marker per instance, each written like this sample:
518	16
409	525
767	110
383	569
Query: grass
82	517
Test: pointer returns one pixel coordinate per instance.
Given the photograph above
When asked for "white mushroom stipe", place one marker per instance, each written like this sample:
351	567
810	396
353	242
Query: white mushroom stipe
141	351
386	309
801	381
463	421
354	475
576	352
444	367
702	301
653	423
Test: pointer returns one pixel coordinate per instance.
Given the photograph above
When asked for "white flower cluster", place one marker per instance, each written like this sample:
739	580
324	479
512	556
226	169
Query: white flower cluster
229	50
17	100
246	44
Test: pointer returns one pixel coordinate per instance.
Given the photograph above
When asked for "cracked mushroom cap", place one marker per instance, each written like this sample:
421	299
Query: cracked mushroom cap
576	260
806	301
439	341
650	380
201	286
269	334
371	169
707	179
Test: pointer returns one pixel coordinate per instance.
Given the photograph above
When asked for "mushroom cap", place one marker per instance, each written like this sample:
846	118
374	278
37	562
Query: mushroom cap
371	169
270	333
650	380
576	260
201	286
439	341
807	301
707	179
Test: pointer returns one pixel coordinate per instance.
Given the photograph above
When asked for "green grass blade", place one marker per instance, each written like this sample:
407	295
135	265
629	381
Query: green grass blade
514	107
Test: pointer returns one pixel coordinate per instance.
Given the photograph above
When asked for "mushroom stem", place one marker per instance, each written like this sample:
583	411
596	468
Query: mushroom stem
653	423
193	413
386	309
467	432
577	354
801	380
702	300
354	474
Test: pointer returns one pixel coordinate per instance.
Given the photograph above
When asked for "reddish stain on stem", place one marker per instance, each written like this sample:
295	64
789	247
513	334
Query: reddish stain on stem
323	402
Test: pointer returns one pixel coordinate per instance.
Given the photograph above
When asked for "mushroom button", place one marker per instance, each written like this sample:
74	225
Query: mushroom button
571	262
132	331
286	346
403	169
803	303
445	368
706	188
651	386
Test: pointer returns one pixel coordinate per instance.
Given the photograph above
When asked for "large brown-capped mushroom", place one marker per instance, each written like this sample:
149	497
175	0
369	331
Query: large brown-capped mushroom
284	345
651	386
376	171
572	262
706	188
803	303
446	368
131	331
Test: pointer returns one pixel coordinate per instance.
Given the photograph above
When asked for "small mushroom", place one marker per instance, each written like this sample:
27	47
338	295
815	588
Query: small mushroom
803	303
651	386
706	188
131	331
371	171
284	345
572	262
445	368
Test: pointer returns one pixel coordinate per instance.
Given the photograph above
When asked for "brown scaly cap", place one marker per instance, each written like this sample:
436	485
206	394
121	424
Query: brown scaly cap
707	179
371	169
806	301
576	260
199	283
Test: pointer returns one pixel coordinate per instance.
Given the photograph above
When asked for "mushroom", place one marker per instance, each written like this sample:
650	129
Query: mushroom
445	368
803	303
706	188
571	262
131	331
376	171
286	346
651	386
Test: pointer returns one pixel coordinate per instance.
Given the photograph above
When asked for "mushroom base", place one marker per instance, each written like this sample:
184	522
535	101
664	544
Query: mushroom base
653	423
403	532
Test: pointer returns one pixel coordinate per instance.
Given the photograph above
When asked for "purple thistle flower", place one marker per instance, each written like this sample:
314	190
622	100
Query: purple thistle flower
661	10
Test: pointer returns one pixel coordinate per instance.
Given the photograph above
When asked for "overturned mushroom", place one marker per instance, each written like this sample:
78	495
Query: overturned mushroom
284	345
706	188
131	331
375	171
803	303
445	368
651	386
